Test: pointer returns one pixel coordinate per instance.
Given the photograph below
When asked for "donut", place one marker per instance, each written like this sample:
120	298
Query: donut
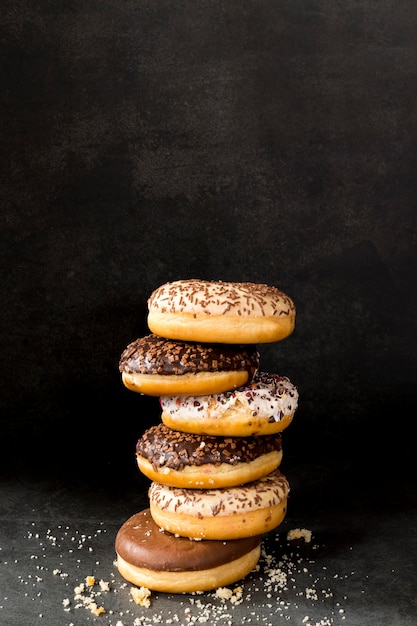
223	312
188	460
160	561
156	366
262	407
230	513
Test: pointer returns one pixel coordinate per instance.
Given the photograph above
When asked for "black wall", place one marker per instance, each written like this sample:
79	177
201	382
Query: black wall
259	141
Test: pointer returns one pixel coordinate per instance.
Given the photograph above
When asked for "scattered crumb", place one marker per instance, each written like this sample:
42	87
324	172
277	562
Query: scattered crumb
88	601
299	533
104	585
141	595
234	595
287	585
97	610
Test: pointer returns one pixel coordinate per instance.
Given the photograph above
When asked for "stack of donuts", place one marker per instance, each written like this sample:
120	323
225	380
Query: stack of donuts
213	458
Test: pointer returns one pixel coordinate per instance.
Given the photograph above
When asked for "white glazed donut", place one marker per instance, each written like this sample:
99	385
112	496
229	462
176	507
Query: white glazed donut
217	311
233	513
263	407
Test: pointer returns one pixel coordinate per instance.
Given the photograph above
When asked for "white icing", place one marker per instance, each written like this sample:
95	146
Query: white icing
221	298
269	397
268	491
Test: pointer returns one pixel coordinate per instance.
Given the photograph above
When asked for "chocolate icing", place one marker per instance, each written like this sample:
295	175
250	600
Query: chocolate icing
155	355
165	447
141	543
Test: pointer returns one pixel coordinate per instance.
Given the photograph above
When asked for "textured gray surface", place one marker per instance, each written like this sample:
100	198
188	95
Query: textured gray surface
358	570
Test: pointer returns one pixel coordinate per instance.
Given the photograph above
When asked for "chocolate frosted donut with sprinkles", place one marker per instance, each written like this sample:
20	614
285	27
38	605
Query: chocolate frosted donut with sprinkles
153	365
262	407
223	312
188	460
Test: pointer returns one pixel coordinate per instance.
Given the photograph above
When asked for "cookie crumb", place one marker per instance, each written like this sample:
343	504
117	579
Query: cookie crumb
299	533
96	610
141	596
235	595
104	585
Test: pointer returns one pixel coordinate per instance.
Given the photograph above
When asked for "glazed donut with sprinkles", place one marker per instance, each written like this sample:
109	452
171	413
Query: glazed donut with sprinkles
196	461
262	407
156	366
223	312
233	513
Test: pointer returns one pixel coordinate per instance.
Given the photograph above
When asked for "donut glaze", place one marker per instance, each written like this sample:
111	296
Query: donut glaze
165	447
227	312
141	542
251	509
190	460
149	557
152	364
264	406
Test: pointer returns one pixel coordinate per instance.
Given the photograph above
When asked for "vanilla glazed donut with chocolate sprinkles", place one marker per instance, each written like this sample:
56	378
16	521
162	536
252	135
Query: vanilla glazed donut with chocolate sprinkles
230	513
148	557
155	366
189	460
221	312
264	406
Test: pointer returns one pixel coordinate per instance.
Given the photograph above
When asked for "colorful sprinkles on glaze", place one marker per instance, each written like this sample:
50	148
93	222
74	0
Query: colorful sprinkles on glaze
268	396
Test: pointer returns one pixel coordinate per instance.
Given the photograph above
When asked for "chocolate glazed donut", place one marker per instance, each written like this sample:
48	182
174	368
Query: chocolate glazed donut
190	460
141	542
152	365
148	557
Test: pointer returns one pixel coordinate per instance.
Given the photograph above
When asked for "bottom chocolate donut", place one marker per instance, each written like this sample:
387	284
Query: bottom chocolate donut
150	557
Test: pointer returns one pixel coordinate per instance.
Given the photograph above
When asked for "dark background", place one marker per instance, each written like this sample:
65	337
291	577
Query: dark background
258	141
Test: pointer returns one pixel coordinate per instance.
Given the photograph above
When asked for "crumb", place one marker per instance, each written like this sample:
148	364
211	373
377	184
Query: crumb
311	594
299	533
235	595
289	581
141	595
224	593
97	610
104	585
